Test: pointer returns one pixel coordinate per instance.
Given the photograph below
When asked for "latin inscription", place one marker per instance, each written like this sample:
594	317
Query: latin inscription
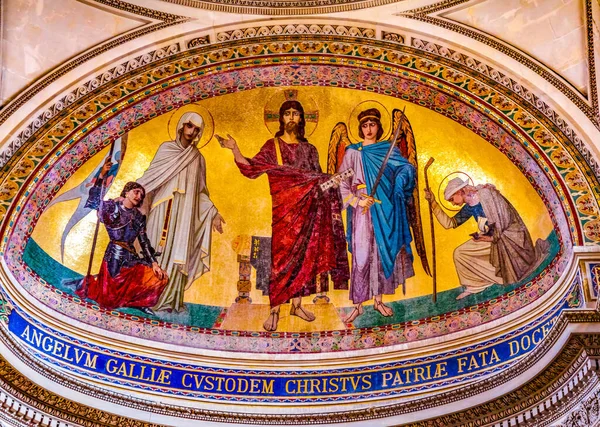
401	376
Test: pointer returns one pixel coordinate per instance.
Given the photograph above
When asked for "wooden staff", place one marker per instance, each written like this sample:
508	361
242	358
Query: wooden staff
434	274
97	229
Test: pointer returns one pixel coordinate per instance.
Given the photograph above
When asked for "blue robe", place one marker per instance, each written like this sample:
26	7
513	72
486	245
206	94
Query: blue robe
390	217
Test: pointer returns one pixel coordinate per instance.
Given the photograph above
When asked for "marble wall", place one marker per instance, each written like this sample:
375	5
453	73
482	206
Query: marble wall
551	31
38	35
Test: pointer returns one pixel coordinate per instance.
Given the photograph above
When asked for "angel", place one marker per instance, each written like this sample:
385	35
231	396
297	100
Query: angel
382	205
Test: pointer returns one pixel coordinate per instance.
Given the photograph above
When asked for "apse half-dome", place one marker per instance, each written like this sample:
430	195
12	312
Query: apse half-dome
485	276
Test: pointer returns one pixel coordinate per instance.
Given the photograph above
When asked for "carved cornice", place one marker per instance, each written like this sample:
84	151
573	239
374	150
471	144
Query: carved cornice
296	29
140	10
587	413
590	107
282	7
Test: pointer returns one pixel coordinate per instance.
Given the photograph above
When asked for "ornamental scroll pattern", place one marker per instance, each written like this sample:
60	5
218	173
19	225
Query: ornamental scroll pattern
296	29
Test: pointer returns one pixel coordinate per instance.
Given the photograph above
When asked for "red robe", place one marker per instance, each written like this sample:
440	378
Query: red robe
135	286
308	241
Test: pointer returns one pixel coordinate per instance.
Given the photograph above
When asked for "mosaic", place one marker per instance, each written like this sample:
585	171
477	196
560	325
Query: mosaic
251	276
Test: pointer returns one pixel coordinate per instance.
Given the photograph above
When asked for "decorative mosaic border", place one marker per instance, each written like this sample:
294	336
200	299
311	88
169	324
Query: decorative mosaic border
107	77
526	96
565	302
591	109
299	29
419	69
410	88
90	124
544	322
285	343
512	86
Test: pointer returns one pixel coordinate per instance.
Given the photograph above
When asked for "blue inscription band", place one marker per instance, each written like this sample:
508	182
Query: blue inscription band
398	378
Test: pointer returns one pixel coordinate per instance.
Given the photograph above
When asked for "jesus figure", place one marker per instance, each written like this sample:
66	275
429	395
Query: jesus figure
308	242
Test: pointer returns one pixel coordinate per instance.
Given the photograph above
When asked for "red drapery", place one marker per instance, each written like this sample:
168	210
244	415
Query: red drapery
308	236
135	286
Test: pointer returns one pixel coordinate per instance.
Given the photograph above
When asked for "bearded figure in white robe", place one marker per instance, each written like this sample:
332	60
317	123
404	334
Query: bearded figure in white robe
181	216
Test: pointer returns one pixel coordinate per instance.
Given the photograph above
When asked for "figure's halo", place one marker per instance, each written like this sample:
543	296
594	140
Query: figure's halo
311	110
386	120
209	123
443	184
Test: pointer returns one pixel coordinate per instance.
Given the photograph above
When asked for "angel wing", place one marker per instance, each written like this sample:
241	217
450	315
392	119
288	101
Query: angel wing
408	148
81	192
337	147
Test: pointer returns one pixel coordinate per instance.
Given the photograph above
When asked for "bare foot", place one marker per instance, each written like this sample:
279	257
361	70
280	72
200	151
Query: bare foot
358	310
302	313
464	294
383	309
271	322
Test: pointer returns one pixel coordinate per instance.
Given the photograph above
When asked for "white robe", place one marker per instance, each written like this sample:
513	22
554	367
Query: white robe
508	258
178	175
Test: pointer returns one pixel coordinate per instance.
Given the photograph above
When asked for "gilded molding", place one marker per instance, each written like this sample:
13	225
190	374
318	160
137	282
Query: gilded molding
590	109
295	29
436	7
281	7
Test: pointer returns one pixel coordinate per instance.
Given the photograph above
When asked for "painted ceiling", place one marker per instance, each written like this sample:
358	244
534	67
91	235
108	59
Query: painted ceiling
503	93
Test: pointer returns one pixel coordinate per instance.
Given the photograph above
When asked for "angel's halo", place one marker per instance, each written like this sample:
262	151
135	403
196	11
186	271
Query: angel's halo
442	186
353	123
209	123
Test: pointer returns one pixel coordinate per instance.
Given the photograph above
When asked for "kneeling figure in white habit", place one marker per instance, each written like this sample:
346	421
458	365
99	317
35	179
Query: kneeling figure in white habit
501	251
